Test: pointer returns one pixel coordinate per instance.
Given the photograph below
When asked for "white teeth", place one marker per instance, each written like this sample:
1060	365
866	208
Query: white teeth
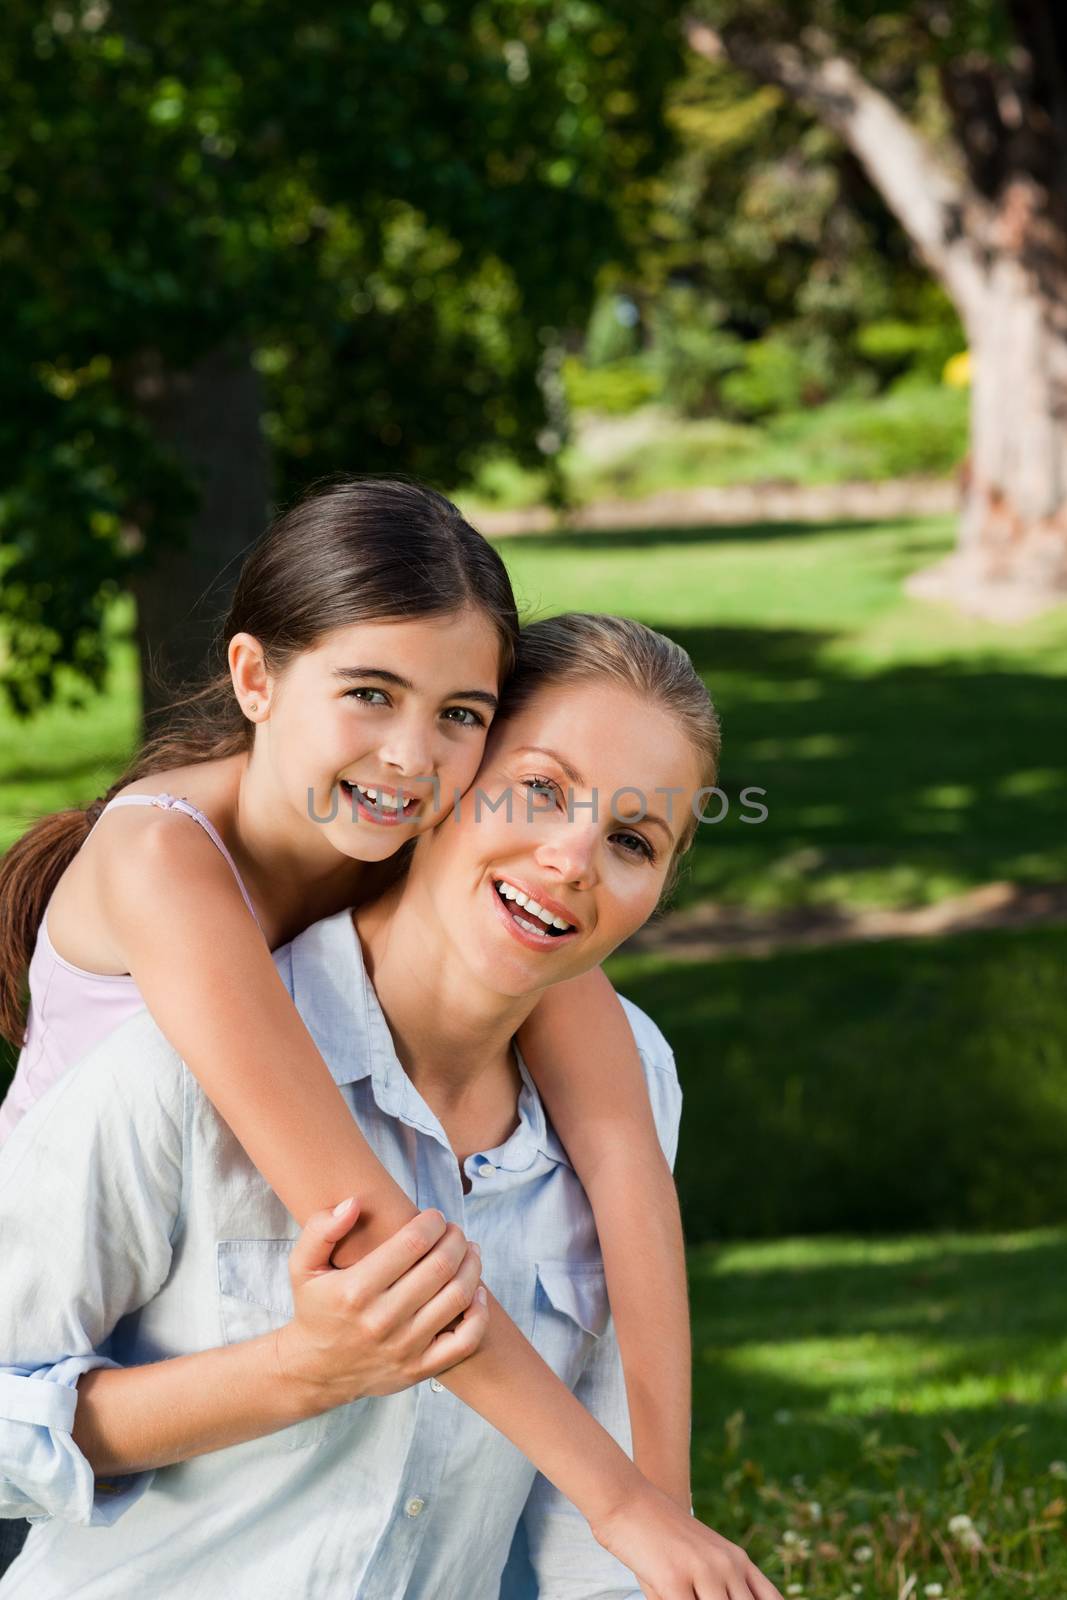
531	927
506	891
384	802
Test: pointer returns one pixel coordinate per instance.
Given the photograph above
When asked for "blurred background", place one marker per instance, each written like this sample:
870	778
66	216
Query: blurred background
748	320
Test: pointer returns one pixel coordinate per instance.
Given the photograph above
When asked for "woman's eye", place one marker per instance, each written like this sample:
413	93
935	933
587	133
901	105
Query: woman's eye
361	695
636	844
543	785
465	717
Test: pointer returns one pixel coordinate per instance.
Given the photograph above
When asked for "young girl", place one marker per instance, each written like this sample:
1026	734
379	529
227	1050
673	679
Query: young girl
368	637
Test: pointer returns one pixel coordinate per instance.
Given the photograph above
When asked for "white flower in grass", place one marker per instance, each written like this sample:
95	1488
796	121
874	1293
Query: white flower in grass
964	1531
795	1588
1057	1469
790	1537
815	1511
933	1590
863	1553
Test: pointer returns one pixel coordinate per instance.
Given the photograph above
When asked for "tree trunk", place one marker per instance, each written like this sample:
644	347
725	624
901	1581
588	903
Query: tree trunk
992	227
1011	559
209	416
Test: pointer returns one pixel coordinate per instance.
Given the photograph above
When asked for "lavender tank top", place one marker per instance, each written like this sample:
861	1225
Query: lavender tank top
71	1010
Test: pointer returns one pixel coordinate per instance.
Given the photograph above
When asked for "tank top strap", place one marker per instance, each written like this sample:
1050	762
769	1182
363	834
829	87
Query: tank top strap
168	802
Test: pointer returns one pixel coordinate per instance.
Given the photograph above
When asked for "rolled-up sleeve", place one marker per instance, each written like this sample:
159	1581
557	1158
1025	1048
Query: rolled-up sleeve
90	1190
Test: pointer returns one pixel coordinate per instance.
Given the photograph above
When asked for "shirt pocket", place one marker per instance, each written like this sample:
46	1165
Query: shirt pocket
256	1296
571	1311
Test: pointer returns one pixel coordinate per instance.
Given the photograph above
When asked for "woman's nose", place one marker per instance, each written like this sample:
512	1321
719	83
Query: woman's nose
572	853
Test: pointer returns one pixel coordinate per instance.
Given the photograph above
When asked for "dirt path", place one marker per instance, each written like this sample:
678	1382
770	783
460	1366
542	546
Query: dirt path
739	503
714	933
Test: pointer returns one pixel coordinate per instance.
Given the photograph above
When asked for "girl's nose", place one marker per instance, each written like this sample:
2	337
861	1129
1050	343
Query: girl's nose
409	750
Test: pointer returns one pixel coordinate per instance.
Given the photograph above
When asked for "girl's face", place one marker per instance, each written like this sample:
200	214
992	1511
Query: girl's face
528	832
372	733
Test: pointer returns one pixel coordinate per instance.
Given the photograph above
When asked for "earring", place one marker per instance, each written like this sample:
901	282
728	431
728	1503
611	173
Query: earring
253	705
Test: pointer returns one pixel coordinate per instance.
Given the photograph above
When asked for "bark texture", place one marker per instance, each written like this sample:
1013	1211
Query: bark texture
209	416
988	216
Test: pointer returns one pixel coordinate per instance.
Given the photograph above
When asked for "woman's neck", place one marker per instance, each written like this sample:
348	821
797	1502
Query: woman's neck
453	1035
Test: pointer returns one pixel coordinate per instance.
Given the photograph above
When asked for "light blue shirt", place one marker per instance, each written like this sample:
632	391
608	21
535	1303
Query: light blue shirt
133	1227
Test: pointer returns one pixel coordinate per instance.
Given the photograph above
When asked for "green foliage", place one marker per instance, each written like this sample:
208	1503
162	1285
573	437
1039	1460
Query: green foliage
780	373
612	334
612	389
774	275
392	205
691	349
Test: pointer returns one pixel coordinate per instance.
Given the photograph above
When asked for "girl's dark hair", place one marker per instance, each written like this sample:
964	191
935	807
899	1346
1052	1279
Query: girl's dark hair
351	550
583	647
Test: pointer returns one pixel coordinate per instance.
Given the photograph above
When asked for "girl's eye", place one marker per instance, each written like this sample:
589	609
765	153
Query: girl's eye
465	717
636	845
358	694
543	785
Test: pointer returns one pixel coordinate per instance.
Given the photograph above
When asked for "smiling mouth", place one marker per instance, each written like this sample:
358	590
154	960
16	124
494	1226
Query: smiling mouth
379	805
526	913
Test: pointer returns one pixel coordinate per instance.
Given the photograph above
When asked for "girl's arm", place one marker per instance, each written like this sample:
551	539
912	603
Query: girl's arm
174	911
598	1101
368	1330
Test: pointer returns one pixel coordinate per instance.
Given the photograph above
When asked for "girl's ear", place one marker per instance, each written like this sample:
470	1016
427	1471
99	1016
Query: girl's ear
248	673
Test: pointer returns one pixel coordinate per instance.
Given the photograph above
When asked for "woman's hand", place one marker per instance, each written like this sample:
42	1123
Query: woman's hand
674	1557
378	1326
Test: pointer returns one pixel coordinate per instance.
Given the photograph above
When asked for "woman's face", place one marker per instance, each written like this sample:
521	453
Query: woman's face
372	733
528	832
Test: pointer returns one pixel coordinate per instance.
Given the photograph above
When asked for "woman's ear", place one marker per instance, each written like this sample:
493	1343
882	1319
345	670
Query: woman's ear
251	681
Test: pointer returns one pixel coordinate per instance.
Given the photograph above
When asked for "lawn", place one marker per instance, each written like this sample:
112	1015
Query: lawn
906	753
854	1397
869	1415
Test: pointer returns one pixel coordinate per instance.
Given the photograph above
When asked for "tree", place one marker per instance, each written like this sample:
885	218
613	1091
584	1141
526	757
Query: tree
245	243
957	111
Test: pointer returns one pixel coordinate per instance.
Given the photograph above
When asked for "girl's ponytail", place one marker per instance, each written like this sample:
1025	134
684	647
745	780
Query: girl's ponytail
29	871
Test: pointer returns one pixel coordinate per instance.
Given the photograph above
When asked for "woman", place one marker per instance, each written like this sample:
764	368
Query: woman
411	1495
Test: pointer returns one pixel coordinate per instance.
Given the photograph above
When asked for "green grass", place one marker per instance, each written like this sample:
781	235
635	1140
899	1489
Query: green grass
897	1085
66	756
906	752
851	1397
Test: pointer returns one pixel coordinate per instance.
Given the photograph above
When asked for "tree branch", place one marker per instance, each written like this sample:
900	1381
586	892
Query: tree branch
940	212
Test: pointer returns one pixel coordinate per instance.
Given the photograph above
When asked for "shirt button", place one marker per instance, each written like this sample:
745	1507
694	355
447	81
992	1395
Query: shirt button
436	1386
414	1506
486	1169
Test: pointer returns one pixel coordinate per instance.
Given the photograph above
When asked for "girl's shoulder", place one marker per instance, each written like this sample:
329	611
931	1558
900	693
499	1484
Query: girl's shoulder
136	845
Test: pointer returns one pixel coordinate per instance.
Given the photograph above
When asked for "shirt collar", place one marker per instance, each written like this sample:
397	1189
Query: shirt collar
331	989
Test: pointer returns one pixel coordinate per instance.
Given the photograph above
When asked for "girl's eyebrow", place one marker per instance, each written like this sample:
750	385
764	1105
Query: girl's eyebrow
361	674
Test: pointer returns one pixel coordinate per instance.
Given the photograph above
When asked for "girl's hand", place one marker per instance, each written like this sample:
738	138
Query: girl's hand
376	1327
674	1557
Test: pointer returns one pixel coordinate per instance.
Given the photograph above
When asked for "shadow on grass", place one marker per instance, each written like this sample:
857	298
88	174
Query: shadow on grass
898	1085
965	1337
936	777
718	533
